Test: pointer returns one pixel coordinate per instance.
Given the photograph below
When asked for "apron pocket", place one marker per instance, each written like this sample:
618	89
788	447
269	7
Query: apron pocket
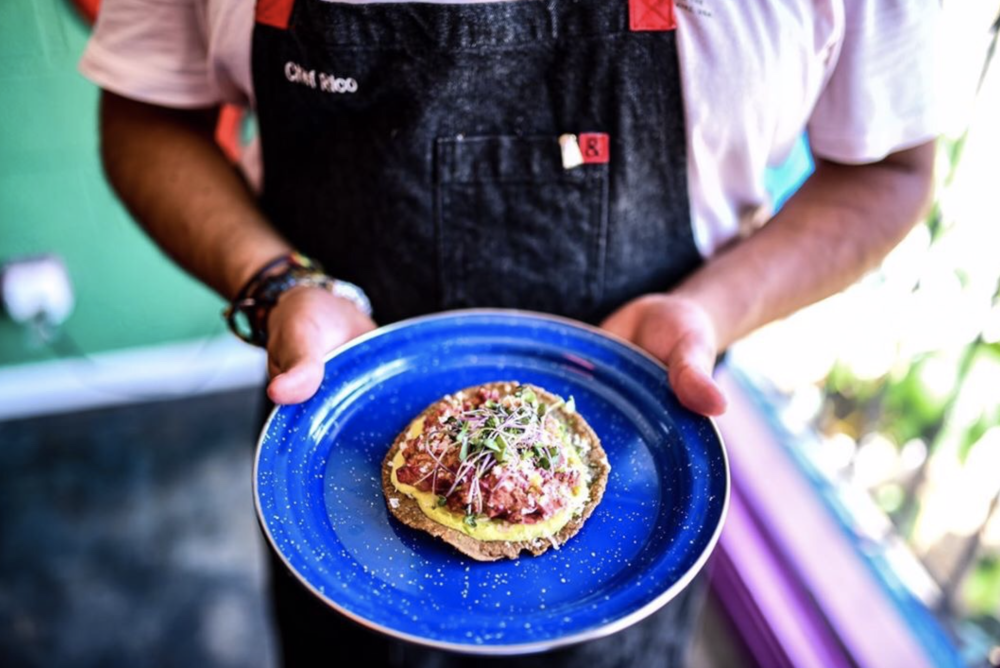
515	229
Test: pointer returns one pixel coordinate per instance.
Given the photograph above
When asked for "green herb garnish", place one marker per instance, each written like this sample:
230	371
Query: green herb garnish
498	432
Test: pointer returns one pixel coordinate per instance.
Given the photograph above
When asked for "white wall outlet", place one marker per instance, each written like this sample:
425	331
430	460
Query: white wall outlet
36	289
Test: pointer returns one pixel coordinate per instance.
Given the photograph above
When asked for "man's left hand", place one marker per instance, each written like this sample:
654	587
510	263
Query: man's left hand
680	333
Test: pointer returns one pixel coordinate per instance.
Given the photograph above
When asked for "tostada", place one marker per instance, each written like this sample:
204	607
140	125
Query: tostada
495	469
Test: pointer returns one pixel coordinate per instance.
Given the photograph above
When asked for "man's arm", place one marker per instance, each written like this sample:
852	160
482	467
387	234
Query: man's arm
174	179
177	183
839	225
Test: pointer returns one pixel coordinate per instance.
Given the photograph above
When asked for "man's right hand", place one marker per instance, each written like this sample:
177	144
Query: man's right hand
166	166
304	326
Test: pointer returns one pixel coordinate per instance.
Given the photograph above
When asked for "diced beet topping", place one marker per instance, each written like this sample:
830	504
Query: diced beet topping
501	457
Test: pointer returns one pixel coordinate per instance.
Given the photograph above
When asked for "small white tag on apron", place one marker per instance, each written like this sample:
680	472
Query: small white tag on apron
571	155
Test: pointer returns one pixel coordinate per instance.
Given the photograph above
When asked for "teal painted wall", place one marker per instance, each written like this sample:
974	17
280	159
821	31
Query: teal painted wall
54	199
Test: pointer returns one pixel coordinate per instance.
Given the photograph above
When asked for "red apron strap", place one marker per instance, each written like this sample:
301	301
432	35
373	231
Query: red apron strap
275	13
651	15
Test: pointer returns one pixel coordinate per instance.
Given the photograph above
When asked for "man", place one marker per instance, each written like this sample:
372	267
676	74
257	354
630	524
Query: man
578	157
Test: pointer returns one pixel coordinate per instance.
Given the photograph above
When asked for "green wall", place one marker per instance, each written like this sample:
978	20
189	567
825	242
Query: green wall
54	199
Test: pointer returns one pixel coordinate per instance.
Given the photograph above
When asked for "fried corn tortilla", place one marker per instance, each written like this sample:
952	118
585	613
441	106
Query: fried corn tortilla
495	469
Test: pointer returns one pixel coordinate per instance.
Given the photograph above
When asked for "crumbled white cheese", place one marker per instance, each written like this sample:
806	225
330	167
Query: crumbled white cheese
394	502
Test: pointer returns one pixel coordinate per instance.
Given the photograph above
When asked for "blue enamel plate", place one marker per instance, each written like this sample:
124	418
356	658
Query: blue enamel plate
318	492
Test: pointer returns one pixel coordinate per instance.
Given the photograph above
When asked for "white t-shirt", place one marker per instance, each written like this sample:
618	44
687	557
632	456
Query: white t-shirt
857	74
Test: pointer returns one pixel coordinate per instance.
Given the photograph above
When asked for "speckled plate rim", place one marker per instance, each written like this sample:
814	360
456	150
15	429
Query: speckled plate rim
521	648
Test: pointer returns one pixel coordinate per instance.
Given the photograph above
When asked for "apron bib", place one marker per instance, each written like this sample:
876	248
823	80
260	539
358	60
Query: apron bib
414	149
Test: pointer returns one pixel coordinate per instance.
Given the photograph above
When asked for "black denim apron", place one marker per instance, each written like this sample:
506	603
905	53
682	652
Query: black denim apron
414	149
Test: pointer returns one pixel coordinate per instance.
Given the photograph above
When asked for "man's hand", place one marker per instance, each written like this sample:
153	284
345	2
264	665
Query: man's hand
305	325
679	332
167	168
839	224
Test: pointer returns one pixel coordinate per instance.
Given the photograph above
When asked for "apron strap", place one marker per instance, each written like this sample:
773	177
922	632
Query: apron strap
651	15
274	13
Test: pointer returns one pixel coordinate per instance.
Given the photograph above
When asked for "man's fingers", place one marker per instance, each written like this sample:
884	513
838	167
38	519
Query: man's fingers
622	322
699	392
298	383
690	366
304	327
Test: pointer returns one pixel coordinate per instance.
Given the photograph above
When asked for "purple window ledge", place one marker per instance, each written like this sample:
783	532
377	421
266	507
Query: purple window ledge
787	574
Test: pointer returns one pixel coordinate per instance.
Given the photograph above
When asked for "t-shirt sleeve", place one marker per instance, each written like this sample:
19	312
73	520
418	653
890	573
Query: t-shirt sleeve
879	97
154	51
